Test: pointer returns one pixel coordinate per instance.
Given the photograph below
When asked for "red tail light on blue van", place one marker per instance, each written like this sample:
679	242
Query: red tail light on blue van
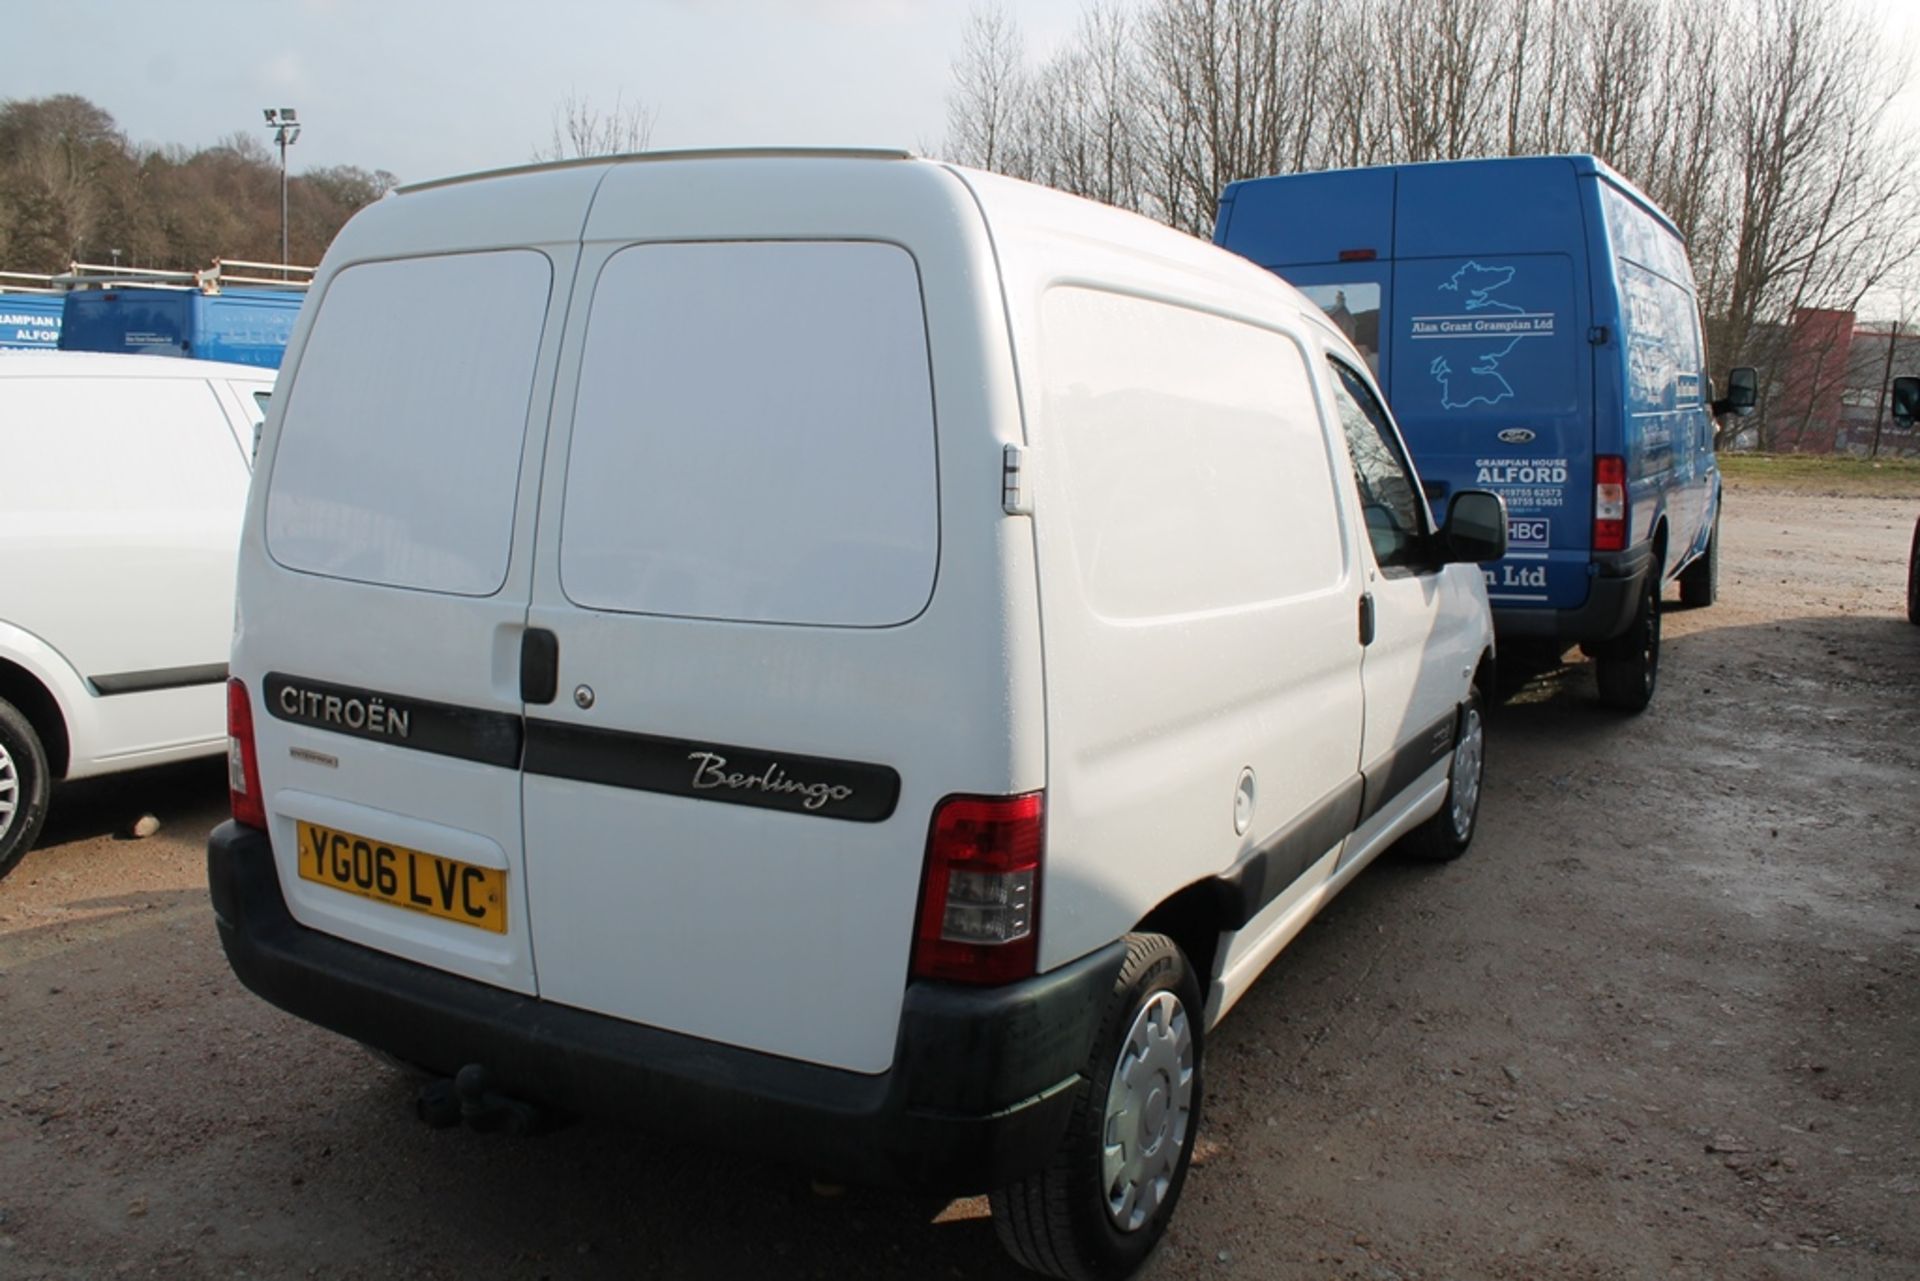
243	764
980	905
1609	503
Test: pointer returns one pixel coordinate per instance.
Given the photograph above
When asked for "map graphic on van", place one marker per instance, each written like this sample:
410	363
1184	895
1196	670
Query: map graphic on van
1478	283
1481	385
1485	317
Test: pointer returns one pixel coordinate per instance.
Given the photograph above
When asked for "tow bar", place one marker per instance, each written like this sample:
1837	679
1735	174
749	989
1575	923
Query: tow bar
469	1098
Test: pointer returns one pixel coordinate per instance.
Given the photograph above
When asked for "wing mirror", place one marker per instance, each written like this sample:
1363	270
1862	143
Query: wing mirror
1906	400
1476	528
1743	392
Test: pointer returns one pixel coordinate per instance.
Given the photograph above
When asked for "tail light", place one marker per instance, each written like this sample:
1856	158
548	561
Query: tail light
1609	503
243	764
980	908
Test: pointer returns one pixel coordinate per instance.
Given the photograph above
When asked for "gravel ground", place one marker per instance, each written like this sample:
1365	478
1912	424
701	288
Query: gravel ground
1660	1022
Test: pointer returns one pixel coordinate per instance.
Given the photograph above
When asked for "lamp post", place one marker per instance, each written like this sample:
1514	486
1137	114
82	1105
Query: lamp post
286	131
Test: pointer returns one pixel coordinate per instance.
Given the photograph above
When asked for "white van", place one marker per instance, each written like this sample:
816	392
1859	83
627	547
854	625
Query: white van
832	654
124	480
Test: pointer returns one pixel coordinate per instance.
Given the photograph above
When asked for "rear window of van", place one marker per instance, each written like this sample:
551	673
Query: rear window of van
399	454
753	437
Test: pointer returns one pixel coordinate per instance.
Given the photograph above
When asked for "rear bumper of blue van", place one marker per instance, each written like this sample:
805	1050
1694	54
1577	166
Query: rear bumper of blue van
1613	593
981	1088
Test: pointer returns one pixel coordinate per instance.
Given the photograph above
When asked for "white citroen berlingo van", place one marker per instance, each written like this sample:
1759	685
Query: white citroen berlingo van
832	654
122	483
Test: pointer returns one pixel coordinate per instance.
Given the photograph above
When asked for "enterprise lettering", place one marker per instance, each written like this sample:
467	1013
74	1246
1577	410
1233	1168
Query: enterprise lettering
712	772
371	715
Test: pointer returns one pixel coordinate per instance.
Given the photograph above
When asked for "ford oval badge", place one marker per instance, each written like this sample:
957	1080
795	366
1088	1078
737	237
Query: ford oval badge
1516	436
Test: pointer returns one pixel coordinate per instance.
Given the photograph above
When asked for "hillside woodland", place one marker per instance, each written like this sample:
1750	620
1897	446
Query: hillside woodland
73	187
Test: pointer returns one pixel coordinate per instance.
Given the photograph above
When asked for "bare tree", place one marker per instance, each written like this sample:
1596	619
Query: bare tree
1760	126
1238	90
1442	65
987	121
582	129
1821	206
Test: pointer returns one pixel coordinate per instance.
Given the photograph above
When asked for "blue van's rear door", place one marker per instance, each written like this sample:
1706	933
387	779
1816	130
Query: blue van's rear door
1489	366
1491	382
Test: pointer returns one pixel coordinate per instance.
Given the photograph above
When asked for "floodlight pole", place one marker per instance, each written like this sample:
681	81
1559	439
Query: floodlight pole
282	120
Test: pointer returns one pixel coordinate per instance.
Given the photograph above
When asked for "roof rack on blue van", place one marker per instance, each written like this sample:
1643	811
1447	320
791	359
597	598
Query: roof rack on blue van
229	310
215	278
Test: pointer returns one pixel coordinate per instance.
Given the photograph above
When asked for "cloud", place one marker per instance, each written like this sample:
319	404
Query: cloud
842	13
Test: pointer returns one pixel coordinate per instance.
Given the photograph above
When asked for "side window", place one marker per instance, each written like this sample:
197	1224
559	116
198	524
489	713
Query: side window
1389	499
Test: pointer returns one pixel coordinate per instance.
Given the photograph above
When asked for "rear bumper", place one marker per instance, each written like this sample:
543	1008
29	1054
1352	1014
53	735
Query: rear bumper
1613	594
980	1091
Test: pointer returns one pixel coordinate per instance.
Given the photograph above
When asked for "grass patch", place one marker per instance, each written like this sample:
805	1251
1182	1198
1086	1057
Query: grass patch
1822	475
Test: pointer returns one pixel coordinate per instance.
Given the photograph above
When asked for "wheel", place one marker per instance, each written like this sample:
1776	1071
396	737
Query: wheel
1448	833
1700	581
1097	1209
1628	665
24	786
1913	577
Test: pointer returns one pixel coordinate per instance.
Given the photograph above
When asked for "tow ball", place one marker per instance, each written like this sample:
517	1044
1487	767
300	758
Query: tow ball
468	1098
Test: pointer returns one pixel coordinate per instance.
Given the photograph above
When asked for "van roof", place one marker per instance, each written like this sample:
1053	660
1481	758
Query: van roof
1040	234
651	157
102	364
1583	164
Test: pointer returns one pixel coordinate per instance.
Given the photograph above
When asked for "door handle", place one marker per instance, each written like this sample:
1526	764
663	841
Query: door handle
539	665
1366	618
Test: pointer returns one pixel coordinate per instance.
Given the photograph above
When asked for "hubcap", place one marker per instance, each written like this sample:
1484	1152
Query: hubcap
1149	1106
1468	755
9	791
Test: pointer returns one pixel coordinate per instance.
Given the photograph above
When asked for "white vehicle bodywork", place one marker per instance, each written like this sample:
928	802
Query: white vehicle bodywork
1104	542
127	479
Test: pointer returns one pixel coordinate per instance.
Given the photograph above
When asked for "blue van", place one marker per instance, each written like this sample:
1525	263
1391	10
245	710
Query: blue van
1535	325
241	326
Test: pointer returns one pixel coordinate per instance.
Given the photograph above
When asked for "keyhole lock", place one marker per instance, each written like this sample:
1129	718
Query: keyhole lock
583	697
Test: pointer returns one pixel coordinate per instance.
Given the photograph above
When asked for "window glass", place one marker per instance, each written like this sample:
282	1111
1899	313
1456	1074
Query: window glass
753	437
1390	502
1354	308
399	453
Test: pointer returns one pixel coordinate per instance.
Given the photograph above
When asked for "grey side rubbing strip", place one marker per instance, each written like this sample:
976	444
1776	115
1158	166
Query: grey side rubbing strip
1414	757
1263	875
815	785
470	733
159	678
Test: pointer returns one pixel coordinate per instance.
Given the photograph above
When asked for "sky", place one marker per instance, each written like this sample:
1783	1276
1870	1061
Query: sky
430	88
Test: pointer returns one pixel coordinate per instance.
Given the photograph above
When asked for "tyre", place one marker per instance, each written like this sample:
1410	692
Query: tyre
1448	833
1628	666
1096	1210
24	786
1700	581
1913	577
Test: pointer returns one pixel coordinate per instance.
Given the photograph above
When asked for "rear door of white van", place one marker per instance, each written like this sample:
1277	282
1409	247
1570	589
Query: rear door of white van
385	582
757	698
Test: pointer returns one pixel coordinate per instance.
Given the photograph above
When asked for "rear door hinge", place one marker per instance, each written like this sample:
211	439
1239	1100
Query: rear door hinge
1016	485
1598	335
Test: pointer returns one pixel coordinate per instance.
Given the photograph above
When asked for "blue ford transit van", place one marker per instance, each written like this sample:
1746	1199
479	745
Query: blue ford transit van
1535	325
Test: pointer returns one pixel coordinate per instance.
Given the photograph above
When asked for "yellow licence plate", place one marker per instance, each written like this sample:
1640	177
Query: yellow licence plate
413	879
